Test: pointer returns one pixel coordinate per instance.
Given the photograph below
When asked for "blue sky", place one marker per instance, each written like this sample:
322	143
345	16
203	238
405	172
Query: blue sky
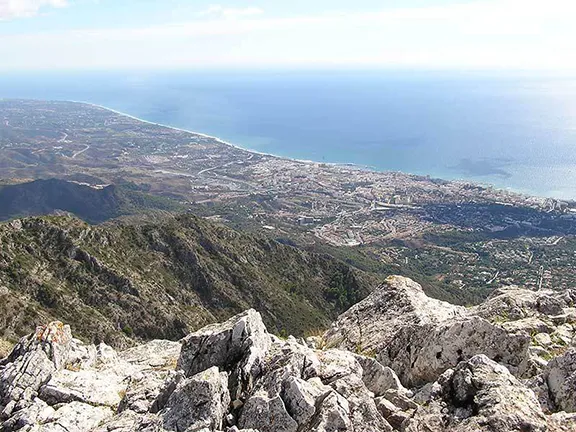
169	34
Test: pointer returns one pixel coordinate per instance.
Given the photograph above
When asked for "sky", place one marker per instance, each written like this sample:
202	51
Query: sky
183	34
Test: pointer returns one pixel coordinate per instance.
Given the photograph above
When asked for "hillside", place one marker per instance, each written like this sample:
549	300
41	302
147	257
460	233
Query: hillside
93	205
120	282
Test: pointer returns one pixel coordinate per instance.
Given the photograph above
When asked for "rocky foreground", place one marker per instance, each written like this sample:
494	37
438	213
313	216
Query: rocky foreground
398	360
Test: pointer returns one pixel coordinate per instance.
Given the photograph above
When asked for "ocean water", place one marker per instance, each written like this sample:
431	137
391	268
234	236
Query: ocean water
512	131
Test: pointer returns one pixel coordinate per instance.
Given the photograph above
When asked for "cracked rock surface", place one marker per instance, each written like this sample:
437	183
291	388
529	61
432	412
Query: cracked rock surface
396	361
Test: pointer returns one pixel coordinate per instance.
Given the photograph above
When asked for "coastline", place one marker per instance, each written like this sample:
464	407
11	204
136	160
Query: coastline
312	162
221	141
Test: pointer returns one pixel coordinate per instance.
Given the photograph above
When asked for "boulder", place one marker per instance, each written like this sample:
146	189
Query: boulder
561	380
197	403
91	386
237	346
332	414
267	413
514	303
75	417
373	323
300	398
480	395
378	378
420	353
31	364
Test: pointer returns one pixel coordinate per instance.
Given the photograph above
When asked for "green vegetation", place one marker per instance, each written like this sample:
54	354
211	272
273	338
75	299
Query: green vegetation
121	282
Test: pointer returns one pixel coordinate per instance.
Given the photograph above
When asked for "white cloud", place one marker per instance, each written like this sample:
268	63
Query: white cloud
525	34
10	9
231	13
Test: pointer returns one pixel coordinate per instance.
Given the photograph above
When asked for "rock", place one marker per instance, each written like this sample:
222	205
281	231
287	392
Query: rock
267	414
400	400
563	334
419	337
393	415
331	365
562	422
372	324
419	354
332	414
238	346
363	413
540	388
149	392
514	303
32	362
235	429
550	305
154	354
94	387
378	378
198	402
314	342
260	383
561	380
480	395
542	339
76	417
529	326
37	412
129	421
300	398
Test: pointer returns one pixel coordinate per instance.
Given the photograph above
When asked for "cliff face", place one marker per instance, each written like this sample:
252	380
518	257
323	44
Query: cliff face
126	283
506	365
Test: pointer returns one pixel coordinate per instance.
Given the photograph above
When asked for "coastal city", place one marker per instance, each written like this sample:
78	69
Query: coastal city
387	214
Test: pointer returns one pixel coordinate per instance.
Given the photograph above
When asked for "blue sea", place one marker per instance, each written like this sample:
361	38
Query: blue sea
515	131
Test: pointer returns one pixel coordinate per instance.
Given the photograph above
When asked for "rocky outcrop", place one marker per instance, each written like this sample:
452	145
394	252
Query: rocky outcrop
372	324
235	376
52	382
419	337
560	378
479	395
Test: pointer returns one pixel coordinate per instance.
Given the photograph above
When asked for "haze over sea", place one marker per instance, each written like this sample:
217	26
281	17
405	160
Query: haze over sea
515	131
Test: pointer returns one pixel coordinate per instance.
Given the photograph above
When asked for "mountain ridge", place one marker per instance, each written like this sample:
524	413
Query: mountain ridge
123	282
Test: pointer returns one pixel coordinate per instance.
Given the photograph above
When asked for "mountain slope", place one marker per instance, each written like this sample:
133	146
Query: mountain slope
117	282
42	197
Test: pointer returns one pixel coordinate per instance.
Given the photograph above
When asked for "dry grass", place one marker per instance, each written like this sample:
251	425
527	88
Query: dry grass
5	347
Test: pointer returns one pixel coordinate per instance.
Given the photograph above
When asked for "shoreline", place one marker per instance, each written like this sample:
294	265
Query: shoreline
525	194
236	146
303	161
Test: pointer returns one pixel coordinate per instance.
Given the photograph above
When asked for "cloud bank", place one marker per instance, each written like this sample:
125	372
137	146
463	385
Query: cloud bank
500	34
12	9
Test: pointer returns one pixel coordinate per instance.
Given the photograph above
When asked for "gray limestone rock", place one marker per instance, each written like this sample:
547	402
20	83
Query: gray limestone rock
199	402
481	395
560	377
75	417
267	413
238	346
32	362
378	378
461	366
373	323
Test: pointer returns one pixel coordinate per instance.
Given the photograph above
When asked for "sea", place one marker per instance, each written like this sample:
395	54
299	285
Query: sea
515	131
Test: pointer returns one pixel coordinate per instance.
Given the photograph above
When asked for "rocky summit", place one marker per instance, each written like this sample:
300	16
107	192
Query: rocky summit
398	360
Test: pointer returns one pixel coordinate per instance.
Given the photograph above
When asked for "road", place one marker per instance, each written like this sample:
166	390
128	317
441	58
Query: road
80	152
